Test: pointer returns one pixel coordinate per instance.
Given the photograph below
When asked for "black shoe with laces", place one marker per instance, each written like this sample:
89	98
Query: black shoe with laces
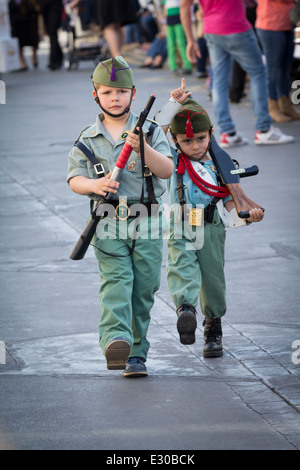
212	337
186	323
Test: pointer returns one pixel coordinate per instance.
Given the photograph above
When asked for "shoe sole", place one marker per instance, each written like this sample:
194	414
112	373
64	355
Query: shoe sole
213	354
186	326
142	373
273	143
116	354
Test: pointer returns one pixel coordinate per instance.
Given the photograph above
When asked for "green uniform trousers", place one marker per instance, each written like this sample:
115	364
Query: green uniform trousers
128	284
199	273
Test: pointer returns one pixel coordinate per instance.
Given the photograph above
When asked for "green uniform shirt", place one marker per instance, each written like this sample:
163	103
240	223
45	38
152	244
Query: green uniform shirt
99	141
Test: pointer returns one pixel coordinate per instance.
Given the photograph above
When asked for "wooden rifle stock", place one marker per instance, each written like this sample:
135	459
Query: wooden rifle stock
86	237
230	177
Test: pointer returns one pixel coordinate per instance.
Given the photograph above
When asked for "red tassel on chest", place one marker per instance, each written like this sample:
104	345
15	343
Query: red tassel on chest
181	167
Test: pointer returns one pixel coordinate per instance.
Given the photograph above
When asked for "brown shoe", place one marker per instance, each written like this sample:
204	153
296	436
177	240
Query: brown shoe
286	107
116	353
276	114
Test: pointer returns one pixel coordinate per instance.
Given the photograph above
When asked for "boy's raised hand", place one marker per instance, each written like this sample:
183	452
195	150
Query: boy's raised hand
180	94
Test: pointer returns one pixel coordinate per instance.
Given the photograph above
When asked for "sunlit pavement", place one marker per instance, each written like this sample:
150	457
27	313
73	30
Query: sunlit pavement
55	390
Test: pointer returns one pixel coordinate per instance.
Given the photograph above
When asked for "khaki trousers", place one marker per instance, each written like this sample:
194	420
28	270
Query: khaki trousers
128	284
199	273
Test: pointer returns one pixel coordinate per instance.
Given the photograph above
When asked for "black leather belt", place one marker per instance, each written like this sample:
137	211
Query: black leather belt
123	209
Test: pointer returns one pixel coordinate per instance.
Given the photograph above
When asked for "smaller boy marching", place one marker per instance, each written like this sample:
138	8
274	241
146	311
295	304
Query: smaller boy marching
194	183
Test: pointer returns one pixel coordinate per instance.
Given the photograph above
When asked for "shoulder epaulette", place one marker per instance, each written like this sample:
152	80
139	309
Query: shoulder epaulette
82	131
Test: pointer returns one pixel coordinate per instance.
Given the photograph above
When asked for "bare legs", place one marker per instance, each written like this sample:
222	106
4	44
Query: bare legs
113	34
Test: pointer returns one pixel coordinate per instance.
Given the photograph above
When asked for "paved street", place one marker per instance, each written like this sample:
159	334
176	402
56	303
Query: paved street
55	390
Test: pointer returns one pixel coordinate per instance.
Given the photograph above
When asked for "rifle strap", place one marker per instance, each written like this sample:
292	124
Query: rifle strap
146	173
99	170
98	167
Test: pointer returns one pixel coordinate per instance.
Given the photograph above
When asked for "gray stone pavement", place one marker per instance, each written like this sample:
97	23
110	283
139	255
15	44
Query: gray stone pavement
55	390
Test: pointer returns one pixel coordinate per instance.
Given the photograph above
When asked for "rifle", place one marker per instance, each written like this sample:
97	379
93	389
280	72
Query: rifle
230	177
86	237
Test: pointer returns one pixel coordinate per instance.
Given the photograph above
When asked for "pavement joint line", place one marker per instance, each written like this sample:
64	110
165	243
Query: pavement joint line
257	346
42	201
263	416
242	362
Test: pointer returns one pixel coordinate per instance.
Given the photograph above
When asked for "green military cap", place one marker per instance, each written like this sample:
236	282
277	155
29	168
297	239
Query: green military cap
191	118
114	72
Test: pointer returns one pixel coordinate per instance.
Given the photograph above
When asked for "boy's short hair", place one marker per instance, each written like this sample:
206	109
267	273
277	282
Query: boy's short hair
191	118
114	72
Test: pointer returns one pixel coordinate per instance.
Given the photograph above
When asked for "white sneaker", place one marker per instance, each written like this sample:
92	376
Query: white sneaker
232	140
273	136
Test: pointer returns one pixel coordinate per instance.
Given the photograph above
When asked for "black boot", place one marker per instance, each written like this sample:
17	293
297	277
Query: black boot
212	337
186	323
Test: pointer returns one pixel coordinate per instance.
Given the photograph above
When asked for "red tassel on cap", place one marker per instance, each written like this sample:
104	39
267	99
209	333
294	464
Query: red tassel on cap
113	76
189	129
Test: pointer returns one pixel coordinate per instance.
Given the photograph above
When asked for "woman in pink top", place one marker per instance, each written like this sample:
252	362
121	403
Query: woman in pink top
274	29
229	37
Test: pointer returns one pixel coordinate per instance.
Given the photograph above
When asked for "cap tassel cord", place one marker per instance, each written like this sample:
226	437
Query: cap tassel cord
113	76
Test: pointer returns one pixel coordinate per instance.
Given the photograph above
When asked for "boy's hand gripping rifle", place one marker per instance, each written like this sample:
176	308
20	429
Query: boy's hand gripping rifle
230	177
86	237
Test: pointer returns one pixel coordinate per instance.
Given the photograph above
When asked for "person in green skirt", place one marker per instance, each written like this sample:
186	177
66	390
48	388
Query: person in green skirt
129	276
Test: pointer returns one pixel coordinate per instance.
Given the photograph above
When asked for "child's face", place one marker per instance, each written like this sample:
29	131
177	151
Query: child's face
114	100
195	147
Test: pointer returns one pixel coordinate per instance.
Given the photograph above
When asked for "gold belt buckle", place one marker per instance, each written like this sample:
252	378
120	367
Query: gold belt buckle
196	217
122	210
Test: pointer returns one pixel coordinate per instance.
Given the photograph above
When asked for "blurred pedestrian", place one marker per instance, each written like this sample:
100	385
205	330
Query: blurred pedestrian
238	77
133	31
52	15
149	18
87	12
230	36
274	29
157	53
176	41
201	61
113	15
24	26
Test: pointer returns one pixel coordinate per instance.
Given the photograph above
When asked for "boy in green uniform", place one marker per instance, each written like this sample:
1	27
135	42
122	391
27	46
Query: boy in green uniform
129	278
195	266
